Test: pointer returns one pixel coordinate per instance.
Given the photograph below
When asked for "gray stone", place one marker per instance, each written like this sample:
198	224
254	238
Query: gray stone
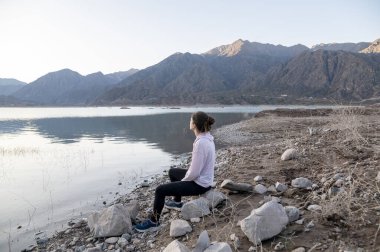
378	177
214	197
176	246
96	249
219	247
112	240
133	209
300	249
301	183
258	179
240	187
195	220
314	208
179	228
264	222
112	221
203	242
122	242
280	187
127	236
339	183
195	208
293	213
289	154
260	189
279	246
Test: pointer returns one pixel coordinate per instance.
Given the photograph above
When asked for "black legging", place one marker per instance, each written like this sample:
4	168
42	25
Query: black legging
176	188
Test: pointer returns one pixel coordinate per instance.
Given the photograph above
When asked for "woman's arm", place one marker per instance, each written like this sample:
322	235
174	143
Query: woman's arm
197	162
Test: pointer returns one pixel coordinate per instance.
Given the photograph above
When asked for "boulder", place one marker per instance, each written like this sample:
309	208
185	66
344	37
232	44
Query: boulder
112	221
195	208
301	183
260	189
214	198
289	154
176	246
203	242
264	222
219	247
179	228
240	187
133	209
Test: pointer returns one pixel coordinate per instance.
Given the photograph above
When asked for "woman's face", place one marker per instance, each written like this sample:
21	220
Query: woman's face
192	124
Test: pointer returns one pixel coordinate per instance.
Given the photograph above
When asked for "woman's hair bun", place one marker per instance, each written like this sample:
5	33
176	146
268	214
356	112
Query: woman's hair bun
202	121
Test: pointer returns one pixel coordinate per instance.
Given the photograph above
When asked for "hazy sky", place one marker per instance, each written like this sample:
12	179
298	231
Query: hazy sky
41	36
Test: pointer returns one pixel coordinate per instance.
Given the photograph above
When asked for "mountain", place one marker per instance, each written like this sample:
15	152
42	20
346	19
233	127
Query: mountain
372	48
67	87
11	101
9	86
121	75
336	75
207	78
349	47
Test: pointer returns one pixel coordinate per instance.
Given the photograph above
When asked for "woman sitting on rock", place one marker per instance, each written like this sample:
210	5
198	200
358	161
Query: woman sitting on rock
194	181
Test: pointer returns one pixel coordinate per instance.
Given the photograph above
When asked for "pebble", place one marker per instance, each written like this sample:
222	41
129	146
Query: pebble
279	246
300	249
258	178
195	220
112	240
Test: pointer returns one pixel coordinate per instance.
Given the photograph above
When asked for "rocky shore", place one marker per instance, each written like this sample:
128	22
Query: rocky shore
288	180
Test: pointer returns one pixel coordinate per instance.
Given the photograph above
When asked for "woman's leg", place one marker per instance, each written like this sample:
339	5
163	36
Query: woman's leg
177	189
177	174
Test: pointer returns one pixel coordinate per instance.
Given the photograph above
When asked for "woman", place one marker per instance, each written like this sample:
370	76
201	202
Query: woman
194	181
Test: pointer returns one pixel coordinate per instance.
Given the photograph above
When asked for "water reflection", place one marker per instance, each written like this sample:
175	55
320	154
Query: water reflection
168	132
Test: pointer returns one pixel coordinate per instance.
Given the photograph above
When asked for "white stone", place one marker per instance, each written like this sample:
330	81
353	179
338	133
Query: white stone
301	183
264	222
293	213
300	249
195	220
339	183
378	177
214	197
203	242
195	208
219	247
122	242
176	246
314	208
280	187
179	228
260	189
300	222
258	179
279	246
112	240
289	154
112	221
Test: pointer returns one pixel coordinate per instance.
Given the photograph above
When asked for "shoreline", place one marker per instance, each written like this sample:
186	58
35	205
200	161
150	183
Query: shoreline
253	148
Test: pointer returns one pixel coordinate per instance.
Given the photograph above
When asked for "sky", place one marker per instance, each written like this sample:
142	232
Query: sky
42	36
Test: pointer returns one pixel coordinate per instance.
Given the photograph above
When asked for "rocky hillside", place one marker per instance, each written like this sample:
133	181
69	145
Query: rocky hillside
67	87
349	47
9	86
373	48
338	75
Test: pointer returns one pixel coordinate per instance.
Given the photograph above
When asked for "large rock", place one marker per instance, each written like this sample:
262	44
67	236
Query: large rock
264	222
240	187
293	213
203	242
219	247
133	209
179	228
112	221
176	246
214	198
301	183
289	154
195	208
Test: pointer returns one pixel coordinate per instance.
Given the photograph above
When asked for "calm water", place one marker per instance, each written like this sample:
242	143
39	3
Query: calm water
61	163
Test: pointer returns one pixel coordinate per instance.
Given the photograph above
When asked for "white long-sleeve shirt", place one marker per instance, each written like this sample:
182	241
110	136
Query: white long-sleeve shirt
201	170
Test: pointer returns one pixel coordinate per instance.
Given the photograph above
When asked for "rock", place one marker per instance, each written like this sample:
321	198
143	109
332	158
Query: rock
176	246
133	209
300	222
195	220
280	187
96	249
289	154
272	189
300	249
264	222
203	242
179	228
240	187
310	224
195	208
260	189
301	183
333	191
258	179
314	208
112	221
339	183
279	246
145	183
112	240
378	177
219	247
214	197
126	236
122	242
338	176
293	213
251	249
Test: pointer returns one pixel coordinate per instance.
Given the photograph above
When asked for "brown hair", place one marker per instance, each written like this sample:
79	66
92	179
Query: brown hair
202	121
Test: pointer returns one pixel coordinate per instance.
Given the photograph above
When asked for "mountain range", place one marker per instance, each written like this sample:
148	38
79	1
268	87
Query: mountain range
239	73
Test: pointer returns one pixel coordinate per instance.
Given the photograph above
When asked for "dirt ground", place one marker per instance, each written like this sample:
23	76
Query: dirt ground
343	141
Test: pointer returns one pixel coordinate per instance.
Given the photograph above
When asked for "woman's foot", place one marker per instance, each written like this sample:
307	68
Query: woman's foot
171	204
147	225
